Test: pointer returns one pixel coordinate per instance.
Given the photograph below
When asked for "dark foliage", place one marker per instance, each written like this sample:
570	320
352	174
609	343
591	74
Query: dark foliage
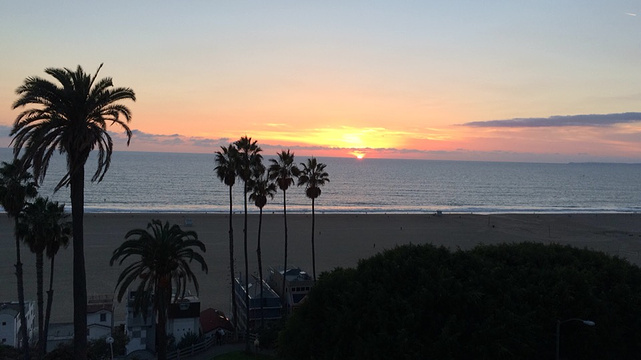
189	339
96	349
492	302
9	352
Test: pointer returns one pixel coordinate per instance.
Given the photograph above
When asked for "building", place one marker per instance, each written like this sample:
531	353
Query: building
183	317
60	333
10	322
100	322
297	285
272	308
140	329
214	322
100	316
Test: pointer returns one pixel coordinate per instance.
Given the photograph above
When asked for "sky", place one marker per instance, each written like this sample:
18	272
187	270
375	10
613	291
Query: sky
533	81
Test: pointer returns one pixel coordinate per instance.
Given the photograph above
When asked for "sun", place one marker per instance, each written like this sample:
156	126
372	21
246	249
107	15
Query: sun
359	155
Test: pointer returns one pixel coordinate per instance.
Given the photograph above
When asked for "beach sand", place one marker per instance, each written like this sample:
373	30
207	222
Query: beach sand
341	240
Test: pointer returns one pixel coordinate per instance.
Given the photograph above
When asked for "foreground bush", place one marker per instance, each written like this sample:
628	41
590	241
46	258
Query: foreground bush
492	302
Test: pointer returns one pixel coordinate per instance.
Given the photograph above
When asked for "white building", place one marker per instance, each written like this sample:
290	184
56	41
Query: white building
100	316
271	304
298	283
10	322
140	329
184	317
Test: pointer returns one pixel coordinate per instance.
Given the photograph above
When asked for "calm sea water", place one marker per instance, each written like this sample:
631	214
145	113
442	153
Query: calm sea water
169	182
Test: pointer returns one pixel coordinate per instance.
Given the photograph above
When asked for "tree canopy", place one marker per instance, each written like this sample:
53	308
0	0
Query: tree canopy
491	302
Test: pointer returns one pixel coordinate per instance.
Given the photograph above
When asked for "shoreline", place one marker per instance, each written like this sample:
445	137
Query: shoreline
253	211
341	240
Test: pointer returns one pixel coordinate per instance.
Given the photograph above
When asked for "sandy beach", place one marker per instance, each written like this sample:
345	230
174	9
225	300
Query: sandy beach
341	240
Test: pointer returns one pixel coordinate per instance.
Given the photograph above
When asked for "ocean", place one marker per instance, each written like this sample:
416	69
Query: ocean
177	182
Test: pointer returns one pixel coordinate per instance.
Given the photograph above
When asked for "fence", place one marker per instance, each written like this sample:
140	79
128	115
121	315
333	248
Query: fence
201	347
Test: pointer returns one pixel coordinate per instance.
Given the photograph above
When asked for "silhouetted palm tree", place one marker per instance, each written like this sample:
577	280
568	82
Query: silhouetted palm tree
282	171
226	171
40	223
313	176
261	189
249	159
71	118
61	238
16	186
161	255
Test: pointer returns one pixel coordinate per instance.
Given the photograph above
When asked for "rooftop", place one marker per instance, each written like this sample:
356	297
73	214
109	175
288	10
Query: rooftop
296	274
212	319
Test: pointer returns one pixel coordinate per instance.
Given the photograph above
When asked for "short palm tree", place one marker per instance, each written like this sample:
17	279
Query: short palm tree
41	223
16	186
161	257
313	176
249	159
282	170
226	171
60	239
70	117
262	188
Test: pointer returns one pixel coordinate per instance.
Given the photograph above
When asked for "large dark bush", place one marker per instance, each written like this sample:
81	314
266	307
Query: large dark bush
492	302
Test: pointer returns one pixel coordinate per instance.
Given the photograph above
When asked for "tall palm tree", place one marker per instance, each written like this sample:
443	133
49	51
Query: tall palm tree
16	186
282	170
226	171
71	117
313	176
262	188
60	238
161	255
249	159
39	223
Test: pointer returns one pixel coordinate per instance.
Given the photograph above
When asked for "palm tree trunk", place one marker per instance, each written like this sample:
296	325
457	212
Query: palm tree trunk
49	302
23	316
246	273
162	303
313	249
40	297
79	275
284	300
260	270
234	307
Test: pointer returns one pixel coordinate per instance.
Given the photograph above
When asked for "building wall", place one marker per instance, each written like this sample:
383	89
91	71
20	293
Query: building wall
10	323
9	329
180	327
140	339
104	321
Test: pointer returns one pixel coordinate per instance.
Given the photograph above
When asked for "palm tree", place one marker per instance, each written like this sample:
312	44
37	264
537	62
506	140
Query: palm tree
226	171
71	117
40	223
313	175
60	238
16	186
162	255
262	188
249	159
283	171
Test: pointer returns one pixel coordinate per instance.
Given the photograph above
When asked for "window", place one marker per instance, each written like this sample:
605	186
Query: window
103	317
135	333
4	341
4	323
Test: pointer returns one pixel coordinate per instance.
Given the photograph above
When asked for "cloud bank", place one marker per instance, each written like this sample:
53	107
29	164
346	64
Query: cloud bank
591	120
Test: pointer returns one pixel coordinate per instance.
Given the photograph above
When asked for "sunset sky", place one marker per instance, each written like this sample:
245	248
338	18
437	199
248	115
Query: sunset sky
550	81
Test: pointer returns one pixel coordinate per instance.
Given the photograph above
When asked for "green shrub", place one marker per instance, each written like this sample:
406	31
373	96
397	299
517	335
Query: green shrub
492	302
